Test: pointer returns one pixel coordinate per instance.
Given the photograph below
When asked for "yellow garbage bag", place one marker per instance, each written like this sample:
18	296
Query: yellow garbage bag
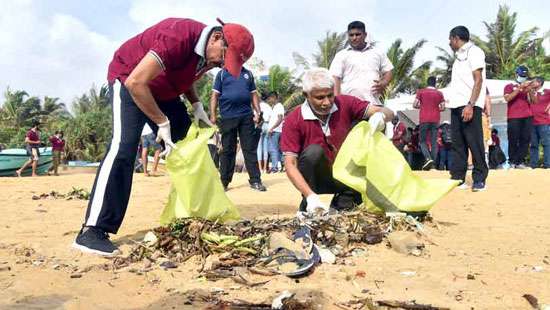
196	187
373	166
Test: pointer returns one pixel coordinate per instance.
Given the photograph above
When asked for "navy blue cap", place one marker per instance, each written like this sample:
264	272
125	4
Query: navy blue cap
522	71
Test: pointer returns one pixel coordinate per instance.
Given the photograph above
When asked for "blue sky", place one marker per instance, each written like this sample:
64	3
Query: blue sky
60	48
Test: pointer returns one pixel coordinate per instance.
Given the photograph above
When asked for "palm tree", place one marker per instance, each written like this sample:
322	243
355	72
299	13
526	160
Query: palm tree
404	70
52	107
504	50
327	49
444	74
92	100
19	109
282	81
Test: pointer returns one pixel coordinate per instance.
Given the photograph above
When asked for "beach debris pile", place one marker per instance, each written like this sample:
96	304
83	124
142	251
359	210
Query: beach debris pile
74	193
266	246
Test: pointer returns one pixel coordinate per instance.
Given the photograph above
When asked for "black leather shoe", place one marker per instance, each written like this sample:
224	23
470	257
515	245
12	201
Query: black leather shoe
258	186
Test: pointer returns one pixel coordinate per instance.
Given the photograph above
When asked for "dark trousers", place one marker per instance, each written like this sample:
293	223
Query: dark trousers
113	182
444	159
316	169
467	135
431	129
244	128
519	136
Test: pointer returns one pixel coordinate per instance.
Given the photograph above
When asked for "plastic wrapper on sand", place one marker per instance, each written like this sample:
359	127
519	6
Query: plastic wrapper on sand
196	187
373	166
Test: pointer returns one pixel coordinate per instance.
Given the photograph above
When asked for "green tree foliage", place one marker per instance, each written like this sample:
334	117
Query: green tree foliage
505	49
88	133
406	77
326	50
444	74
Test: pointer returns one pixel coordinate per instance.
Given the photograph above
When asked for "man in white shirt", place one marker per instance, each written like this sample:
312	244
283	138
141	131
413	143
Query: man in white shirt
275	128
263	144
466	101
361	70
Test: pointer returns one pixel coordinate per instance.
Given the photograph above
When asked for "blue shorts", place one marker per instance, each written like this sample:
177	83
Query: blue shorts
148	141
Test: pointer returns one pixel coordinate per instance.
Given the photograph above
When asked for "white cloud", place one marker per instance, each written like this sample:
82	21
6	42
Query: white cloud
54	55
279	27
57	54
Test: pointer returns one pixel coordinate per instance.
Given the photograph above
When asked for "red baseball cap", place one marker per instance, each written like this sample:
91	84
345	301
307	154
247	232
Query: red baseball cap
240	47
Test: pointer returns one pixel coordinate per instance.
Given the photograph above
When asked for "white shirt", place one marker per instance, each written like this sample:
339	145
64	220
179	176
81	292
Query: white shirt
146	130
469	58
266	110
278	110
308	115
359	69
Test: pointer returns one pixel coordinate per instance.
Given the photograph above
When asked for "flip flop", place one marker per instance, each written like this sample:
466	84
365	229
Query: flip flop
304	266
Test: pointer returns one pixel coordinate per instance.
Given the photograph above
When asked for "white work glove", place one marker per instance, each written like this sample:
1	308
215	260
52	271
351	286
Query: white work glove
315	206
377	122
164	134
199	114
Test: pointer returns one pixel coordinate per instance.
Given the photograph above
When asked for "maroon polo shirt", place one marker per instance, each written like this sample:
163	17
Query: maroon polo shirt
172	42
519	107
57	144
540	116
399	131
429	98
299	133
33	136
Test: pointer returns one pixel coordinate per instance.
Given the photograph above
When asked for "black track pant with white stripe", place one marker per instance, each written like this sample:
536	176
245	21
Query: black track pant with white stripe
113	182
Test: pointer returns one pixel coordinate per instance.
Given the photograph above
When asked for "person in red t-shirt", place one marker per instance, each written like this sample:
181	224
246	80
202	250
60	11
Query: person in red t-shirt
399	134
32	140
413	147
496	155
146	77
520	118
58	145
314	132
431	102
540	106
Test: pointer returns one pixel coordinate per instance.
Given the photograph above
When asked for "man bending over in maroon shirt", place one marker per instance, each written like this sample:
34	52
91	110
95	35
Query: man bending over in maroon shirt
147	75
314	132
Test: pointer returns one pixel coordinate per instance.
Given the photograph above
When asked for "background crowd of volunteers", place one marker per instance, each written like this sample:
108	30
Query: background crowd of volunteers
428	144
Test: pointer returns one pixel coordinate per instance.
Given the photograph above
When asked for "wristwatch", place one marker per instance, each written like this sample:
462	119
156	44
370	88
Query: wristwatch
470	104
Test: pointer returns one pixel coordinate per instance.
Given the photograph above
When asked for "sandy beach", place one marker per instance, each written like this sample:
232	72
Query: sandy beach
488	249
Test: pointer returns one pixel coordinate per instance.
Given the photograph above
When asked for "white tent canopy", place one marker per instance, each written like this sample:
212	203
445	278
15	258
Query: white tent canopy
405	102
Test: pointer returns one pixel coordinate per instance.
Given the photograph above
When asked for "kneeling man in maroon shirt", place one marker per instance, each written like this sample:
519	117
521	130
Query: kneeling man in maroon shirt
314	132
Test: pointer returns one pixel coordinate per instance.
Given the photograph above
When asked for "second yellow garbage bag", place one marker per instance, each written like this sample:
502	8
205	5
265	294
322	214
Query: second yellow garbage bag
196	187
373	166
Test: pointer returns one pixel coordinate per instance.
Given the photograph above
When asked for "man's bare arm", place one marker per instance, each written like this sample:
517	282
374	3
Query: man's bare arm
137	84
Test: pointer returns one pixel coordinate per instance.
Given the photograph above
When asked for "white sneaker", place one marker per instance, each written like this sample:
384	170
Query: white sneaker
463	186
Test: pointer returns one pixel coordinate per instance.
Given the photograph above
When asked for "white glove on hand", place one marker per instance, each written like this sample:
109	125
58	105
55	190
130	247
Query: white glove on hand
164	134
377	122
199	114
315	206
